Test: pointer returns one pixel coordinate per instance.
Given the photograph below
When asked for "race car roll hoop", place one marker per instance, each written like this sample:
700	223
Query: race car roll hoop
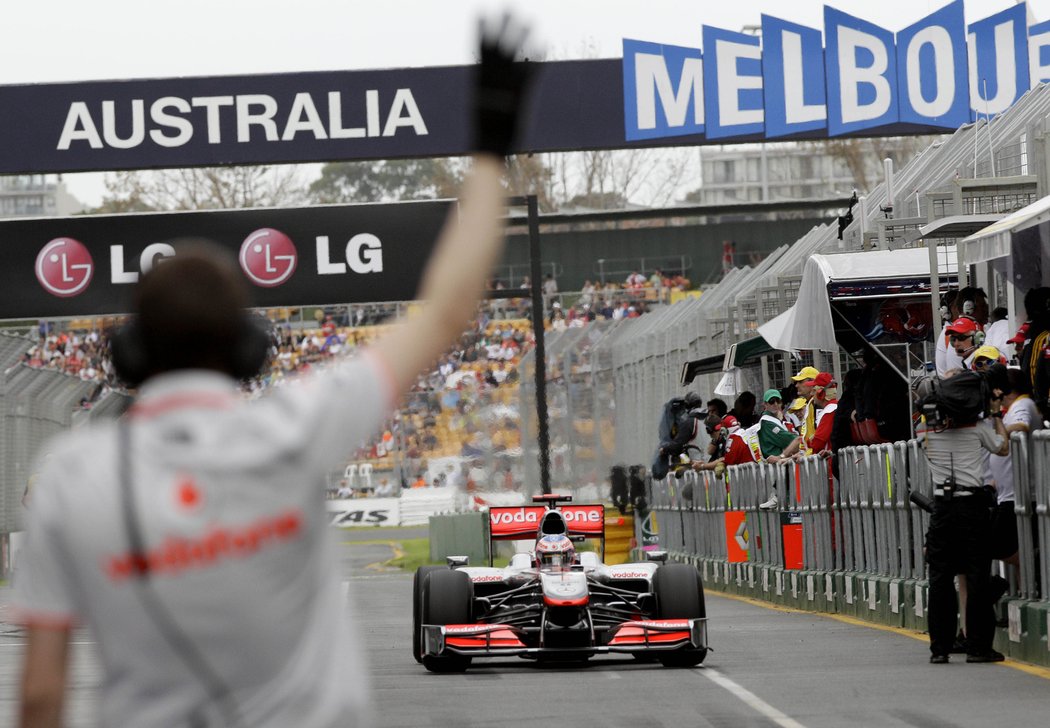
570	611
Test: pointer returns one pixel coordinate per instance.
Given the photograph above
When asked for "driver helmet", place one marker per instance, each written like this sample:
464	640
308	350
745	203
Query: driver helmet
555	551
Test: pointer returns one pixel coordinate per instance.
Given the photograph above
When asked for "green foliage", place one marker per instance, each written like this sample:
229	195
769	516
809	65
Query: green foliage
201	188
388	181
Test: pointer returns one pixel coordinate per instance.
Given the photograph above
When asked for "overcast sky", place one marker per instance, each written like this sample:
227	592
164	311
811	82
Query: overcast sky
72	40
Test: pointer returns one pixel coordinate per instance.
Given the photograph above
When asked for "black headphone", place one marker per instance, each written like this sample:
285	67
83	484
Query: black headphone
248	352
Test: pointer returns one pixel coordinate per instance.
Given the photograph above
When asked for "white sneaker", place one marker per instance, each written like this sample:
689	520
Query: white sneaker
770	504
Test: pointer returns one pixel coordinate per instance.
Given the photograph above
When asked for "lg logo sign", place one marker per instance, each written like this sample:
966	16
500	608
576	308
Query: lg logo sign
267	256
64	267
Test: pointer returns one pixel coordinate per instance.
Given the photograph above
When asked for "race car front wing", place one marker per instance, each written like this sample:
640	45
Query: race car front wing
495	640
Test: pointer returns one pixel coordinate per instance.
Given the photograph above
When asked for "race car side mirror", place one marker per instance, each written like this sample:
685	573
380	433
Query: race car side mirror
658	556
457	561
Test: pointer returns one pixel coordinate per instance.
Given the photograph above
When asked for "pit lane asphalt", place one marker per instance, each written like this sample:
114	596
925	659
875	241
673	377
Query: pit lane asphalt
770	668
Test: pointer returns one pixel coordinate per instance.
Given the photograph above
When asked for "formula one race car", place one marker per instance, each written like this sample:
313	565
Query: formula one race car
554	603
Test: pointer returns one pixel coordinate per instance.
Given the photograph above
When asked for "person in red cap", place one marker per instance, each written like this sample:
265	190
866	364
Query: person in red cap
726	426
825	402
1019	339
741	445
964	335
969	303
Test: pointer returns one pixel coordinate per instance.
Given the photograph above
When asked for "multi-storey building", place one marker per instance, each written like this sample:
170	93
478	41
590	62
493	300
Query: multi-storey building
36	195
797	171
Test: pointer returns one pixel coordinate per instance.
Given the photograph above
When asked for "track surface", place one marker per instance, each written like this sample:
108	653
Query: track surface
770	668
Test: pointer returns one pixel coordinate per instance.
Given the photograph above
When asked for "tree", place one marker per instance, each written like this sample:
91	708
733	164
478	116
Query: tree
388	180
528	175
202	188
864	157
612	179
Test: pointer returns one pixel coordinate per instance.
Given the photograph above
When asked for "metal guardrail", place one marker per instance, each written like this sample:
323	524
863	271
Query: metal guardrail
35	404
861	522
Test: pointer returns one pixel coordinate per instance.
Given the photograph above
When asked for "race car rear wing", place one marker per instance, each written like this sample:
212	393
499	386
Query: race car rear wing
513	523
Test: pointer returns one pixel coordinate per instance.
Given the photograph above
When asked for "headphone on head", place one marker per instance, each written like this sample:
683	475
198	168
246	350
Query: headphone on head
247	354
945	310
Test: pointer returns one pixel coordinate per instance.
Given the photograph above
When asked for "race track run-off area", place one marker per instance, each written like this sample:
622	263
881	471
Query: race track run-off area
768	667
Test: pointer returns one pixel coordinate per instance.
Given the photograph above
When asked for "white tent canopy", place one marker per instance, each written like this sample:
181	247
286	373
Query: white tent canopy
808	324
994	241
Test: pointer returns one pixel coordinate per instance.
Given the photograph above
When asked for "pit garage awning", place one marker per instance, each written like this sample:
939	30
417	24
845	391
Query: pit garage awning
994	241
743	351
808	325
737	355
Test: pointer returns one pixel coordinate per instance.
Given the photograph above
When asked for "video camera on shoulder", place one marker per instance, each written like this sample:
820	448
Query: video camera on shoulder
961	399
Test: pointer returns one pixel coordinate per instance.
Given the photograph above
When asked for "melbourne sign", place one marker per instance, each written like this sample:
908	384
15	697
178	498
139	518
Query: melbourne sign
937	73
307	256
793	82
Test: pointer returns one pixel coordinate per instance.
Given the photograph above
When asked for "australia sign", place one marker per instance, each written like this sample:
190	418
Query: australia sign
789	82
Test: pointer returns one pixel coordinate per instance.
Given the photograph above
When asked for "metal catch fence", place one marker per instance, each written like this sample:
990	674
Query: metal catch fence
797	516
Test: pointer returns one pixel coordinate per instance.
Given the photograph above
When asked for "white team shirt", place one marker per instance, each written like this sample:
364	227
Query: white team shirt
230	498
945	357
997	334
1023	410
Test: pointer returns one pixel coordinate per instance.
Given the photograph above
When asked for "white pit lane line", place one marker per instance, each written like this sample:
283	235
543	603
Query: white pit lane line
748	697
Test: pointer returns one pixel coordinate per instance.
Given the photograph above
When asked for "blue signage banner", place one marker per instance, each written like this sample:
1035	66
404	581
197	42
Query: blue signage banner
857	79
793	78
931	69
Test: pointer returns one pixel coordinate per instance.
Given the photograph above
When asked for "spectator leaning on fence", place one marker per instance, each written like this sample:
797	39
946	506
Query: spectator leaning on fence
774	437
825	404
808	416
795	412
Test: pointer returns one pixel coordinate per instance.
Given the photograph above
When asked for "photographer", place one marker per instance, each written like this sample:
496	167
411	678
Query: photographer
959	439
678	430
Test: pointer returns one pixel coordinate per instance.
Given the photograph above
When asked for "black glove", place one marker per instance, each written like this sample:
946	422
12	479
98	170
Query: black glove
499	87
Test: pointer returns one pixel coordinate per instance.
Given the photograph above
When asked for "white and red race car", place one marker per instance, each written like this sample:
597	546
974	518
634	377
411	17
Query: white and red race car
552	603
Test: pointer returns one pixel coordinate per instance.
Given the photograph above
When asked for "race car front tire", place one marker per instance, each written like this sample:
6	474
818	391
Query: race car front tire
447	598
680	595
417	608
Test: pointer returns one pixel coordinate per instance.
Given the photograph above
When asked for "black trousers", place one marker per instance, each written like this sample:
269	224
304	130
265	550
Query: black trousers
959	542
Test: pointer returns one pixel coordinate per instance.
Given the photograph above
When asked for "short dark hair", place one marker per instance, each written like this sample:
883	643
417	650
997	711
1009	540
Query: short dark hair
1020	382
720	406
999	313
191	309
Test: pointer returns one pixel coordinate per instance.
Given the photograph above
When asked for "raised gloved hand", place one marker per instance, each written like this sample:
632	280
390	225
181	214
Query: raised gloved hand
500	86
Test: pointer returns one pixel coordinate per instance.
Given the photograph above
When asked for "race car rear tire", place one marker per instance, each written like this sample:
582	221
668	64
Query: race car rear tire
680	595
447	598
417	608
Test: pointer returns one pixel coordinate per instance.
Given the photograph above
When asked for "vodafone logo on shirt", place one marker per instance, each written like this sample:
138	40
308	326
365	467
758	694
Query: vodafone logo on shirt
268	257
64	267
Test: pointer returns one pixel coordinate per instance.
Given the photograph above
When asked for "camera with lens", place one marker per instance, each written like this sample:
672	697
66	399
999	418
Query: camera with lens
934	417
